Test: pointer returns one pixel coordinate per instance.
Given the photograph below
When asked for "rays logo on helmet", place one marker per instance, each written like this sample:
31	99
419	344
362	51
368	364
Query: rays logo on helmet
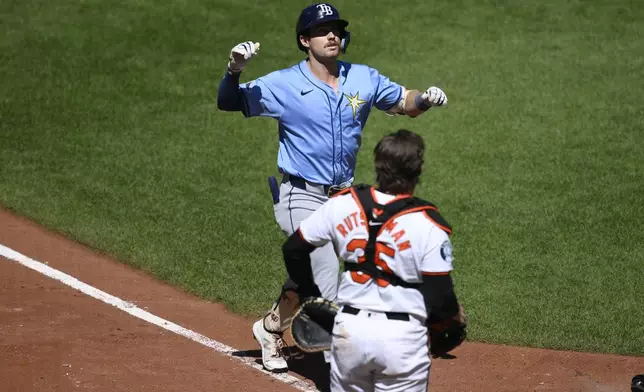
324	9
316	14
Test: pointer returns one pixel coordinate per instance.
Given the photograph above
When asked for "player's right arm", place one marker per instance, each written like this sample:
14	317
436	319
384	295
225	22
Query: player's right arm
254	98
313	232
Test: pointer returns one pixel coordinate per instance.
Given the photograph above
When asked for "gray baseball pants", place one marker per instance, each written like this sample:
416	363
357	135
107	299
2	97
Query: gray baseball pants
293	207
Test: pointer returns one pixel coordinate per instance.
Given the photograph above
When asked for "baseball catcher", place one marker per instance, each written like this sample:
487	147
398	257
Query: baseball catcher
396	306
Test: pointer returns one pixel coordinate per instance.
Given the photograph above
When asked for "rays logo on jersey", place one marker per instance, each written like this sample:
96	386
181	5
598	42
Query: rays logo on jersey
446	252
355	102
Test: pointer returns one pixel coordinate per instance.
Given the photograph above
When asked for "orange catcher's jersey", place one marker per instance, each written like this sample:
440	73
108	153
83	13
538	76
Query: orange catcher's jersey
409	246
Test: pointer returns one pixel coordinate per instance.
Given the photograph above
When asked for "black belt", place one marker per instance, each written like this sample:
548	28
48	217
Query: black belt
300	183
390	315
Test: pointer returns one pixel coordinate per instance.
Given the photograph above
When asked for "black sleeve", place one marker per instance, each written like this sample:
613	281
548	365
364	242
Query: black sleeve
298	265
440	299
229	97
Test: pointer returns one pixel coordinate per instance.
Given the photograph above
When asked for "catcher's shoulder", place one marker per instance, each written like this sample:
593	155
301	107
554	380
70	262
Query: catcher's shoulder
430	210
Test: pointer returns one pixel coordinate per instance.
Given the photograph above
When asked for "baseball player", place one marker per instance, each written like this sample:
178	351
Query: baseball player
398	259
321	106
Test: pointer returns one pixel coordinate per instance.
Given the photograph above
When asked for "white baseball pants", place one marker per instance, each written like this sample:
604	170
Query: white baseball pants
371	353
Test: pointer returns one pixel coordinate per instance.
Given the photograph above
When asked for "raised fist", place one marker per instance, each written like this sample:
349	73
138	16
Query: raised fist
434	96
241	54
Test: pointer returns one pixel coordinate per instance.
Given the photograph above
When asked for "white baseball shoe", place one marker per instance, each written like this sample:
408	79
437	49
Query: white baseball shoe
272	345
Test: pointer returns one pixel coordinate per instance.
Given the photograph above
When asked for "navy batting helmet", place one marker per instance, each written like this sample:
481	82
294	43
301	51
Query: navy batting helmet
319	13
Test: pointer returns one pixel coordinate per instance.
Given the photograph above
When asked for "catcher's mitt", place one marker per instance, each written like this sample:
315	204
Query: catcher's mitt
312	325
446	335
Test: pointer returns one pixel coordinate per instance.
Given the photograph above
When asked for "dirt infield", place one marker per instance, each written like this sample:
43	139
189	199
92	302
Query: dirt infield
55	338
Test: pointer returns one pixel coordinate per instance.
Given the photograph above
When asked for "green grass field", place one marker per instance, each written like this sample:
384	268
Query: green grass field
109	133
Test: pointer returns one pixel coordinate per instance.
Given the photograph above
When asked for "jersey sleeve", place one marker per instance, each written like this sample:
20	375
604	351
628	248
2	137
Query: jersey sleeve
387	92
438	258
317	229
261	99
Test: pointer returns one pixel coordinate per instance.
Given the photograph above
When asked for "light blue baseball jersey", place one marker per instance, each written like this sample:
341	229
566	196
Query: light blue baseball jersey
320	131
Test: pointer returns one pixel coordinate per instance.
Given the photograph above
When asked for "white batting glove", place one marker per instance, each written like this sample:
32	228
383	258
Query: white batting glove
241	54
434	96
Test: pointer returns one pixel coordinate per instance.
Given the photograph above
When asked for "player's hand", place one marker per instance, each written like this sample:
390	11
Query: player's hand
241	54
443	325
461	316
434	96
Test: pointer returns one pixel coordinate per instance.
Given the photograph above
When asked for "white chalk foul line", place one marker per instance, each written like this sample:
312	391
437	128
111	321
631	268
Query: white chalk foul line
135	311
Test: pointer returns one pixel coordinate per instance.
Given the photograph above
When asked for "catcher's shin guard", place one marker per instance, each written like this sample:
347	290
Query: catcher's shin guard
279	317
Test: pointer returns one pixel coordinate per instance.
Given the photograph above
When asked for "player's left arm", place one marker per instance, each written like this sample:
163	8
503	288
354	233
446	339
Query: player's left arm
313	232
437	287
393	98
414	103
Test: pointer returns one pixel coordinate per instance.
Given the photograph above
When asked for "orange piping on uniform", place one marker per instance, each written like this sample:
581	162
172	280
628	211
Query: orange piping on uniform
342	192
447	229
405	212
299	232
398	197
436	273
